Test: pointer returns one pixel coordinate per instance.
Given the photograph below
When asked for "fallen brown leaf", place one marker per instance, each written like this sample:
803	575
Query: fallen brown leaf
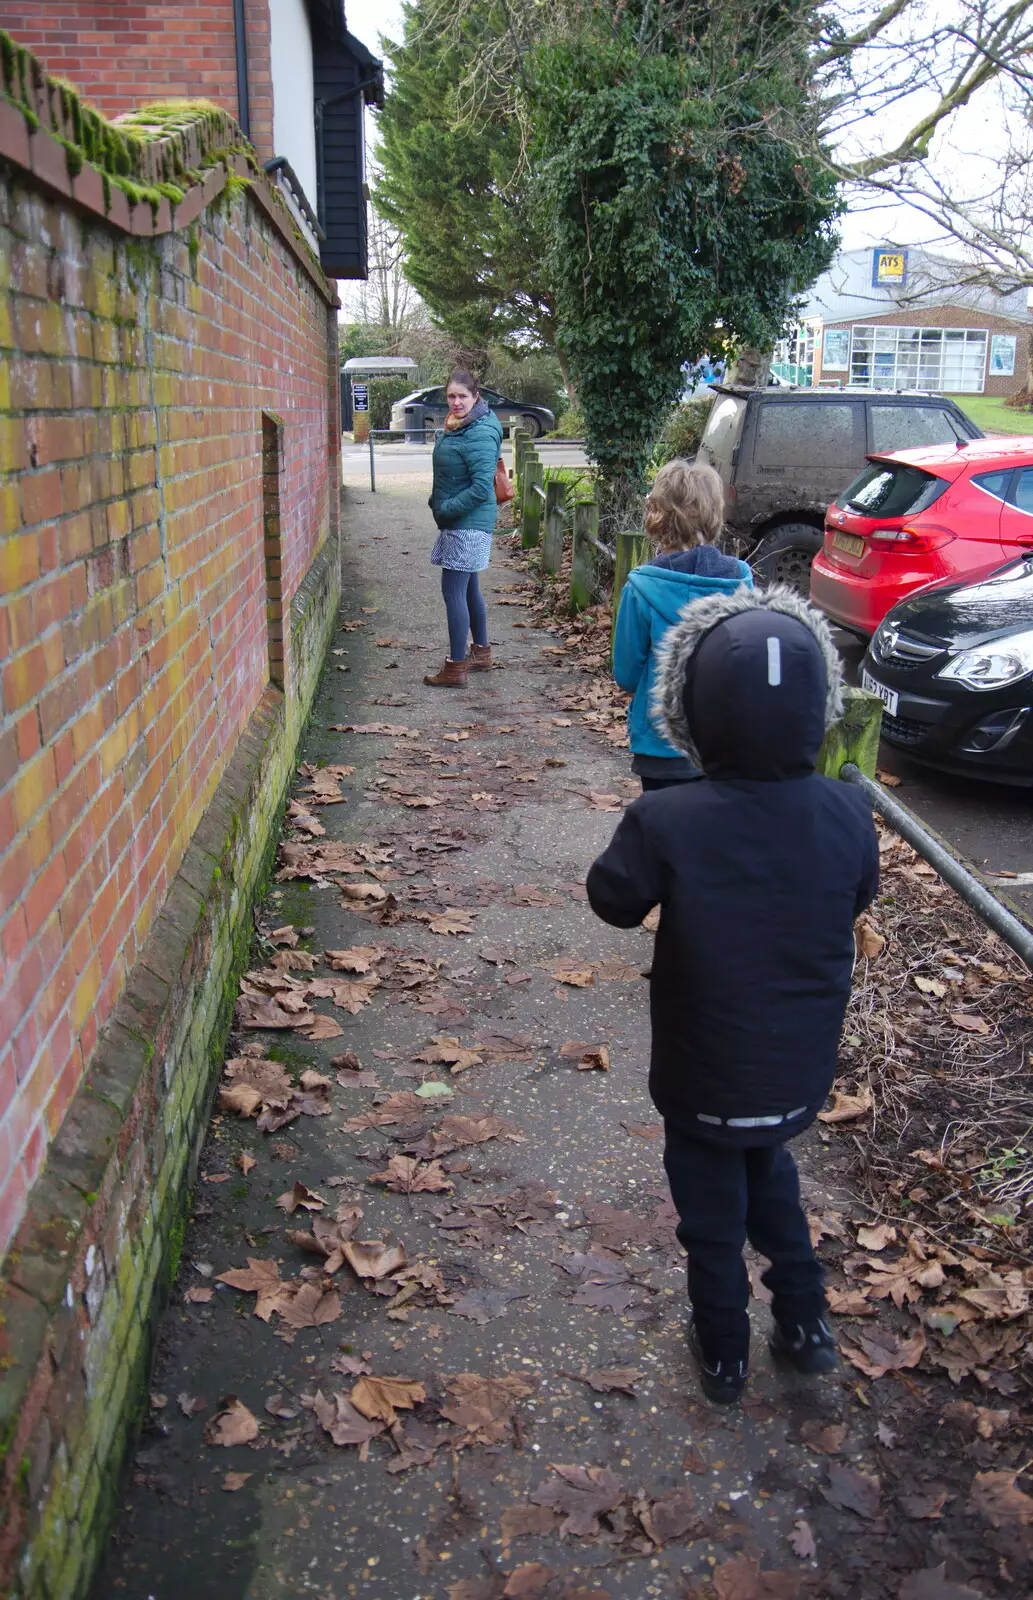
996	1496
406	1175
847	1107
969	1022
234	1481
587	1056
300	1198
380	1398
850	1490
880	1351
232	1424
582	1496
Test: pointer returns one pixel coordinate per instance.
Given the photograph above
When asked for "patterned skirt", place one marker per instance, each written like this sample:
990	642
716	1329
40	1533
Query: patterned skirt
462	549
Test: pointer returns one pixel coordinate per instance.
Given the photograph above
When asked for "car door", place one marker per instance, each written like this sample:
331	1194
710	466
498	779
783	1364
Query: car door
1017	517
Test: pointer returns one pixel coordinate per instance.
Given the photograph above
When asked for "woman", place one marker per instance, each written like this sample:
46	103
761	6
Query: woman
463	505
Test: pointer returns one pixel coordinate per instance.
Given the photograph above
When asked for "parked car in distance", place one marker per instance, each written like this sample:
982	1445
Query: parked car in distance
923	516
428	408
953	666
783	453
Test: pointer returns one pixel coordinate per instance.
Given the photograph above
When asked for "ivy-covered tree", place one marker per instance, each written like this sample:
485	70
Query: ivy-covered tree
455	182
675	218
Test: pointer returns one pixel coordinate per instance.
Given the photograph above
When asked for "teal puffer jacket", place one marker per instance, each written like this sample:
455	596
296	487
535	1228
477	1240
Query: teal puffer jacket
464	461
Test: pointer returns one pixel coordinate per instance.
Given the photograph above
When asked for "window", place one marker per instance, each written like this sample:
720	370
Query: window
947	359
1022	490
491	397
272	463
907	427
793	434
995	483
891	491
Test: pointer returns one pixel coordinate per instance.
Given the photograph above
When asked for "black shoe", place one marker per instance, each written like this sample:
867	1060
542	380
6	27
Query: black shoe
808	1346
721	1381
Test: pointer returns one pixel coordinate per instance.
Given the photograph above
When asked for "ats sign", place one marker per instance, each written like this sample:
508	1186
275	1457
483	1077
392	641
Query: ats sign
889	268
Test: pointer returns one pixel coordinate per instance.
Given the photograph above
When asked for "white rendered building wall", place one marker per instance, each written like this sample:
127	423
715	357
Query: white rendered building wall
294	132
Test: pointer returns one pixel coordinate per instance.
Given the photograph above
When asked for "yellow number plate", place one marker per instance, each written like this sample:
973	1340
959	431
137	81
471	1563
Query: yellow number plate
848	542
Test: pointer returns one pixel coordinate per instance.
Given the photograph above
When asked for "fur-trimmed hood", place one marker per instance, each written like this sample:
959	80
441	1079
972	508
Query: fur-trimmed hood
747	684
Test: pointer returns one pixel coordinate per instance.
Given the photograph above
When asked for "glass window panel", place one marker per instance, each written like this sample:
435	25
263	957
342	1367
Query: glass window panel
791	434
907	427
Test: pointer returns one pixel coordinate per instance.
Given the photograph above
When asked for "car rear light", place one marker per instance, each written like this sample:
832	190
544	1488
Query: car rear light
910	541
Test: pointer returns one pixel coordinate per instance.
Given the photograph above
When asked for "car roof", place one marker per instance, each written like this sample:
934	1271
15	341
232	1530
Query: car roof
948	460
779	394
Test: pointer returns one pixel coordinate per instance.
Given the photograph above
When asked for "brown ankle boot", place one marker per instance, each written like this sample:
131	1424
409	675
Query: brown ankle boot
452	675
480	658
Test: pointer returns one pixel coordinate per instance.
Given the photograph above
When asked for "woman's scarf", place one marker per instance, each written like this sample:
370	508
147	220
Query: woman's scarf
479	409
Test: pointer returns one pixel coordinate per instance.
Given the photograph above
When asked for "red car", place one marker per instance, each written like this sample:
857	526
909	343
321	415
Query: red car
918	517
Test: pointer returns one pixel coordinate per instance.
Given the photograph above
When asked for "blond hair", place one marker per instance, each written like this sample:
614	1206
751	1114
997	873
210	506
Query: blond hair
686	506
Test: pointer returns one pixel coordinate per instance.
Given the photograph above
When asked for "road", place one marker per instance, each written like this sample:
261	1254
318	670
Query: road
989	825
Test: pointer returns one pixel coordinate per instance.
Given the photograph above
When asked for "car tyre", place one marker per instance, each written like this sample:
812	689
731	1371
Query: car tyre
785	556
531	425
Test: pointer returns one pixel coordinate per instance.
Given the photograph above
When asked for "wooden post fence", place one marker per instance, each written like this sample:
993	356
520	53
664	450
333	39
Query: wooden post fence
531	505
555	518
584	567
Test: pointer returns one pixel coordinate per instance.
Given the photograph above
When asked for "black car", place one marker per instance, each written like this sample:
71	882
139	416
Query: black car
428	408
953	666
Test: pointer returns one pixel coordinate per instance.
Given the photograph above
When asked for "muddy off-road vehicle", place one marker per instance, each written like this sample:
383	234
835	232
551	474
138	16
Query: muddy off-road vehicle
785	454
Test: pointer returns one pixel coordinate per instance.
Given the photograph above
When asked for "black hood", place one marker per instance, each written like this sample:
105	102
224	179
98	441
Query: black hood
748	684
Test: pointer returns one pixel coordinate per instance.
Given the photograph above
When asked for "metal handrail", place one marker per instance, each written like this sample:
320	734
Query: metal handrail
975	894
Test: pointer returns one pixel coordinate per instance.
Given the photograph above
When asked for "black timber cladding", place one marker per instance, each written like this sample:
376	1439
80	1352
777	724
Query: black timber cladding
346	78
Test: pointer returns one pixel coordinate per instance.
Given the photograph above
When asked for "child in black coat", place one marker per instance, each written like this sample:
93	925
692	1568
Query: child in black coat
759	870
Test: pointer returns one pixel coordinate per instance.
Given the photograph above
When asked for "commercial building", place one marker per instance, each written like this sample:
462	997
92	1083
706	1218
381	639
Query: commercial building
895	317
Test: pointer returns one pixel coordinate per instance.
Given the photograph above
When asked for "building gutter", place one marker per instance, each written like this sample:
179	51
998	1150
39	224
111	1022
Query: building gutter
240	40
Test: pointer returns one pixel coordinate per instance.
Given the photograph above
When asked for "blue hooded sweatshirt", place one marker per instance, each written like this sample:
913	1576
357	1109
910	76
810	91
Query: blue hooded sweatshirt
653	599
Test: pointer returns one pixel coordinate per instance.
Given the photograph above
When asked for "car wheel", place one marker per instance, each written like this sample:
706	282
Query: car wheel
785	556
532	426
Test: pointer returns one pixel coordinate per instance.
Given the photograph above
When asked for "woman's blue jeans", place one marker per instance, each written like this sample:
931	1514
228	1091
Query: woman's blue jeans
466	611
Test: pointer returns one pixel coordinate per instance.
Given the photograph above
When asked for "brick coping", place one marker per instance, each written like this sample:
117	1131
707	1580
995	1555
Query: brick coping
55	159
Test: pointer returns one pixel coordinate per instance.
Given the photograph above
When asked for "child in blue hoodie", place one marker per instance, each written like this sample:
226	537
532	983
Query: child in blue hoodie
684	518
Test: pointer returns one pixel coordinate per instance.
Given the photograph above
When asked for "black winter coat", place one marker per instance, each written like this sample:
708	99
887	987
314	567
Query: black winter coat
759	867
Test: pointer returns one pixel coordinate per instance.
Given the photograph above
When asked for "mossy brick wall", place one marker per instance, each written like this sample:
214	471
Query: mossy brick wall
133	629
117	52
144	754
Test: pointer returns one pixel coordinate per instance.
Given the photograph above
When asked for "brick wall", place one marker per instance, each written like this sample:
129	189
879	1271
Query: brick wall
957	317
118	55
169	576
133	588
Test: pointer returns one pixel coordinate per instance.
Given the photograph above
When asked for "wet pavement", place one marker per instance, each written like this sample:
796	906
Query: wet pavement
541	1257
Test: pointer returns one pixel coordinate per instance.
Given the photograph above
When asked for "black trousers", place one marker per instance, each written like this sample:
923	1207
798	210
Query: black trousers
724	1196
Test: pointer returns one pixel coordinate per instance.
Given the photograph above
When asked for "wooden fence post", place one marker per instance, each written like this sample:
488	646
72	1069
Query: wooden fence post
531	476
855	737
555	517
632	550
584	579
520	439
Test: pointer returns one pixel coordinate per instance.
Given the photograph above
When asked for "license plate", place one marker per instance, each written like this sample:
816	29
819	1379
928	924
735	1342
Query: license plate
887	696
848	542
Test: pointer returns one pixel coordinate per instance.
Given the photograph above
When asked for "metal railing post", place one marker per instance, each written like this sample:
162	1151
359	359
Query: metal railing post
372	468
